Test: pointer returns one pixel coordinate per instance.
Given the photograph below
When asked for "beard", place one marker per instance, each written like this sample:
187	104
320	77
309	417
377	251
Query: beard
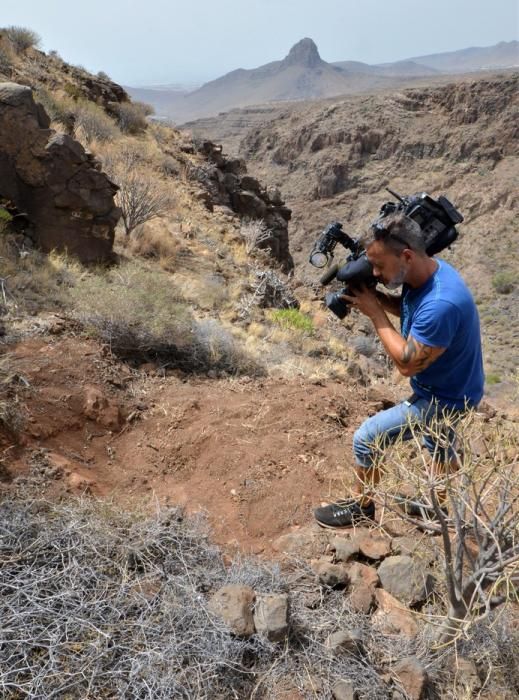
398	280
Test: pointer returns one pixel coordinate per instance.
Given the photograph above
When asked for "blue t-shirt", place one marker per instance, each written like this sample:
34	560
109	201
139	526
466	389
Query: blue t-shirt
442	313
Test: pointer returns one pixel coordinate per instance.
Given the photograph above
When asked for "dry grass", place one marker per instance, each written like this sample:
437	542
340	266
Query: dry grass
97	602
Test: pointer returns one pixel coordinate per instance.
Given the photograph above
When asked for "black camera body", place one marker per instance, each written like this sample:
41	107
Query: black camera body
437	219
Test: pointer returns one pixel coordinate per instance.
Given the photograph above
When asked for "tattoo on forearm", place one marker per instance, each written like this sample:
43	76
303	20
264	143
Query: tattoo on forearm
421	355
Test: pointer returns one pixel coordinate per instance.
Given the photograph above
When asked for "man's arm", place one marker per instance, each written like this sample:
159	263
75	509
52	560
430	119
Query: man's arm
389	303
409	355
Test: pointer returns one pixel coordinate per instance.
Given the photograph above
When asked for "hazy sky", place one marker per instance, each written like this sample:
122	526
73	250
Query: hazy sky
141	42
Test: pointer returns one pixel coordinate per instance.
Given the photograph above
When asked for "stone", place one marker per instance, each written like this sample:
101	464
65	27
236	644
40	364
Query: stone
363	580
271	616
412	676
392	617
52	179
372	545
306	543
332	575
406	579
347	641
343	690
345	549
234	605
103	411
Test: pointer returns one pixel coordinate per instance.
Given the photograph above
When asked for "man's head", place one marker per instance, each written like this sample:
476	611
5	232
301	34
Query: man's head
394	246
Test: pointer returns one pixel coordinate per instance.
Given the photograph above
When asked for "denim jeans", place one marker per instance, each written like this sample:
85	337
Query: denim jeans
412	417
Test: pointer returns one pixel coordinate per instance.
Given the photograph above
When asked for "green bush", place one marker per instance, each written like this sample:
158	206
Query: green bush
292	319
504	282
492	378
22	38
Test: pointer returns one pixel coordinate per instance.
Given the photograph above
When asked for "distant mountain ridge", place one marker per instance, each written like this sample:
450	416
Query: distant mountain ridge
304	75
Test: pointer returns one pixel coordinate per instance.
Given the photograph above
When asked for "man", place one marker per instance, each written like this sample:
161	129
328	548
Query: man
438	347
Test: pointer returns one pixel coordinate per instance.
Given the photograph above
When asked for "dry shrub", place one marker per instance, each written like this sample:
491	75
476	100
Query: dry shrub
59	107
11	411
480	531
140	314
5	63
101	603
21	38
34	281
255	234
156	244
143	193
93	124
131	116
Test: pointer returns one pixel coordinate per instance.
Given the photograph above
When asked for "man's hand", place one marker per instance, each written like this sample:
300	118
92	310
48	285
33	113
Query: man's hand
409	355
365	300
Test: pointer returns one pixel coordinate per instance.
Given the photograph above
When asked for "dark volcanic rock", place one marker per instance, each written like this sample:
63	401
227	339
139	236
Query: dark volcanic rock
51	178
229	185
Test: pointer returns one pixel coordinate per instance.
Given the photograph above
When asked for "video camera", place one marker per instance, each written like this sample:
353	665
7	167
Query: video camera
437	219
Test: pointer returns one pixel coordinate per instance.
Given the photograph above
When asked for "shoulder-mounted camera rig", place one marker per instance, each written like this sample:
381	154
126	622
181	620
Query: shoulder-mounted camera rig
437	219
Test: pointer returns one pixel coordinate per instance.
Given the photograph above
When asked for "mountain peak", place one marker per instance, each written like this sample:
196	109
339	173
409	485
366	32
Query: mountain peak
304	53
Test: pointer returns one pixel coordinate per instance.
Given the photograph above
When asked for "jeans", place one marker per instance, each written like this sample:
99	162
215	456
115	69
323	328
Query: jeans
414	416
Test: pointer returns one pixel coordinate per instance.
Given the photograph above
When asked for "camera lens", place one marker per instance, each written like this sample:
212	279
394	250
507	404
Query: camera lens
318	259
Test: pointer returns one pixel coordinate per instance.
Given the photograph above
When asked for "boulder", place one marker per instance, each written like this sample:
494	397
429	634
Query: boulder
54	181
271	616
406	579
234	605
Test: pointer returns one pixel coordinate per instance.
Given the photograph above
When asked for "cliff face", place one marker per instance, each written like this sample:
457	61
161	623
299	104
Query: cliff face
51	178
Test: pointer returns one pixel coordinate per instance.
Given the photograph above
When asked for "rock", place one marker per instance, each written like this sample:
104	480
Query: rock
228	185
343	690
271	616
234	605
411	674
344	549
333	575
346	641
54	181
392	617
100	409
79	482
406	579
363	580
372	545
306	543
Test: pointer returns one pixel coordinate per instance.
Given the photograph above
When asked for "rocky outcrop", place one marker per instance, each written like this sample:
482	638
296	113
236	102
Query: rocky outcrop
50	177
229	185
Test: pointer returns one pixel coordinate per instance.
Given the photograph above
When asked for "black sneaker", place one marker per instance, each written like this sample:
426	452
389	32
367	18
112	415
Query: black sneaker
416	508
344	513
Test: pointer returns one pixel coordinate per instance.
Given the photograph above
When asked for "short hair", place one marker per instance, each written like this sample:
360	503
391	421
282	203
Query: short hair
397	232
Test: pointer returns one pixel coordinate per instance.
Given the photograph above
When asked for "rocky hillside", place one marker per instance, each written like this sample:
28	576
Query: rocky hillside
334	158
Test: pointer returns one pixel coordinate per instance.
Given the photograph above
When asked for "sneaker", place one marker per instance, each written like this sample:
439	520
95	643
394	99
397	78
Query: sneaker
416	508
344	513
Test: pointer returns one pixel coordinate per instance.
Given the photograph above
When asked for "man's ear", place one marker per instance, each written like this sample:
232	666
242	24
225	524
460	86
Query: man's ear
408	255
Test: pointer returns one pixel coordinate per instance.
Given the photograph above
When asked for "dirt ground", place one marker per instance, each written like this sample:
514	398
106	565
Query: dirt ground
257	455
